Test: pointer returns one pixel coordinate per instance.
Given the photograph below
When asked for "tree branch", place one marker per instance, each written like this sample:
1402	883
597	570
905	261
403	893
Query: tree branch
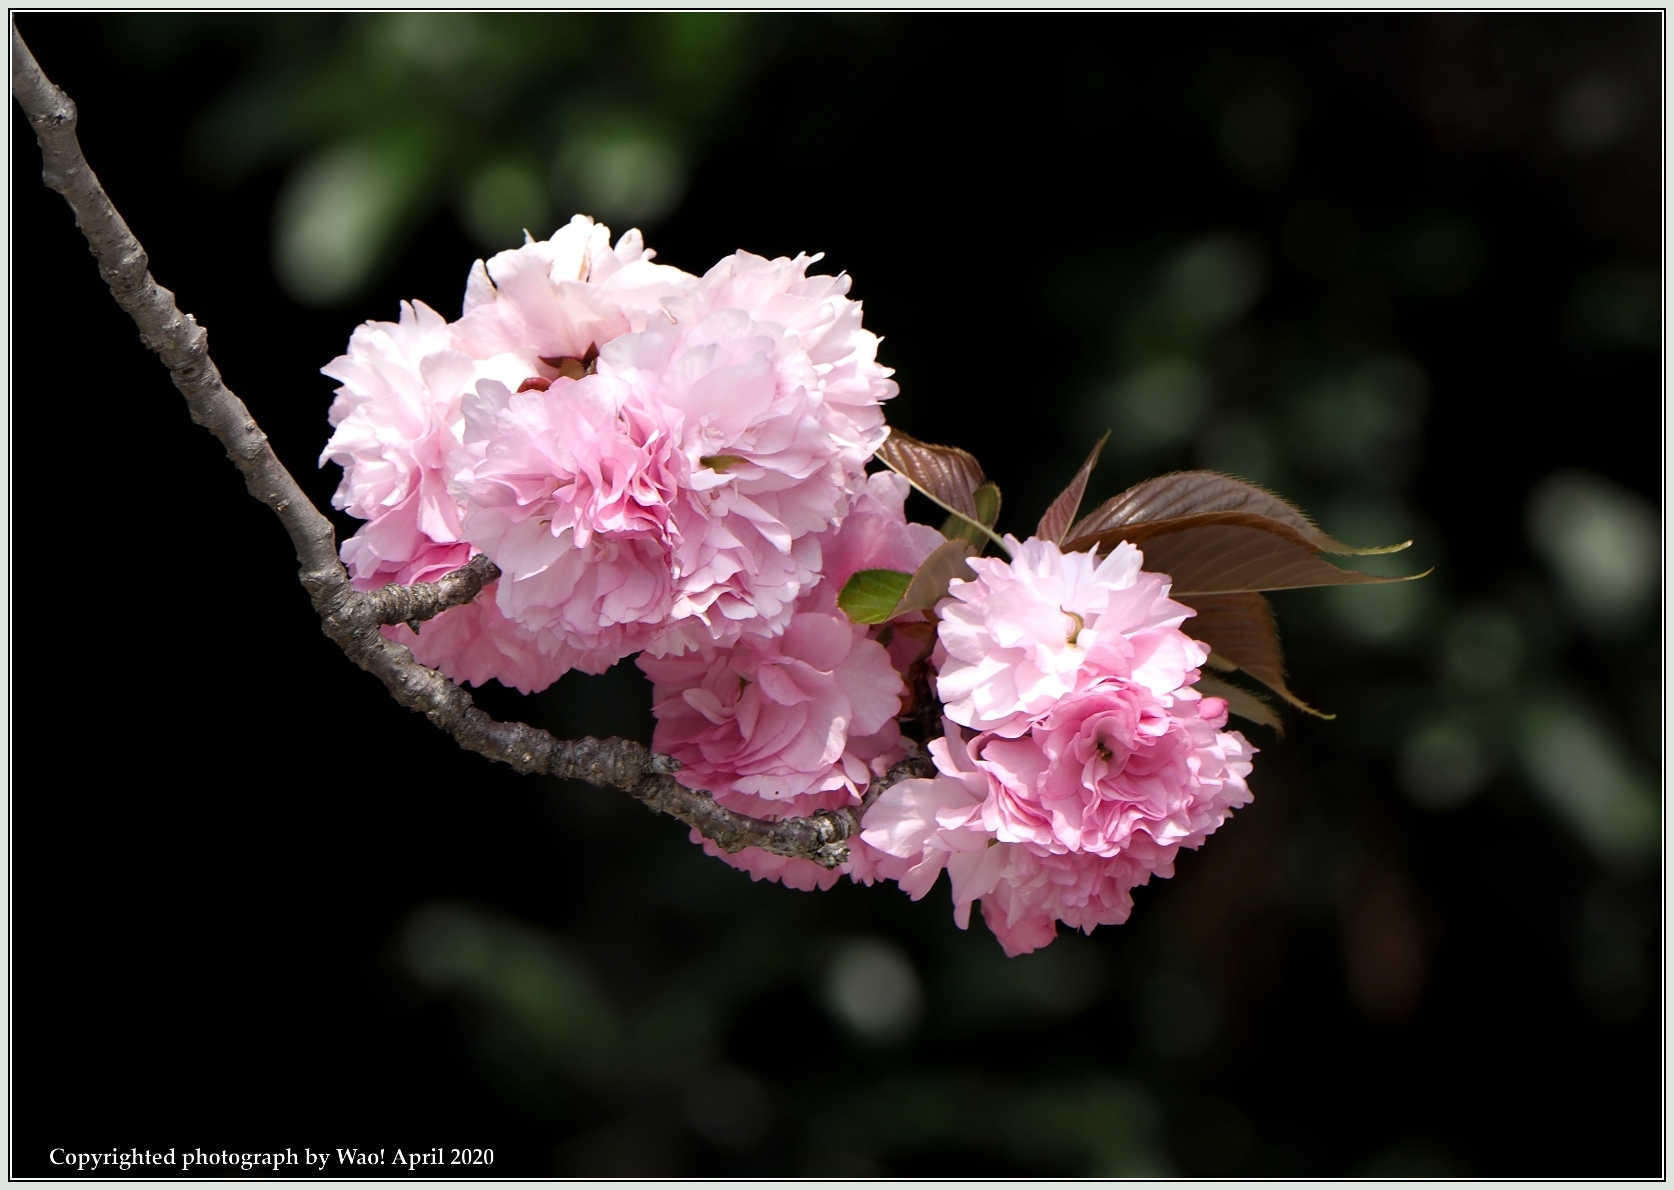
353	618
421	601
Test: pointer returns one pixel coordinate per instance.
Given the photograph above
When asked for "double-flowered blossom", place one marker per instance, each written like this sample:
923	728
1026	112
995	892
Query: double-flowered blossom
673	466
396	415
665	492
1077	758
788	725
650	457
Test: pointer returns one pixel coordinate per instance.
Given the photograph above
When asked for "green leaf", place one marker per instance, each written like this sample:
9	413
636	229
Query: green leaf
986	501
870	596
929	586
957	528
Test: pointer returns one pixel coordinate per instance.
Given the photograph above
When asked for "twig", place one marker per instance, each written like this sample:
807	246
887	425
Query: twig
422	601
353	618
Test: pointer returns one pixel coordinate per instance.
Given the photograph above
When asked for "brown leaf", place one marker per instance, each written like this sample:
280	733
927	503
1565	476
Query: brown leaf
1241	702
1190	493
1222	552
1240	630
1054	525
929	586
946	474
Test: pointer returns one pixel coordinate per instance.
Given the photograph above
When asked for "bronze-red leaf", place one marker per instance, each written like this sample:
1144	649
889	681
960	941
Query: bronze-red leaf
1222	552
1054	525
1191	493
1241	702
946	474
1240	630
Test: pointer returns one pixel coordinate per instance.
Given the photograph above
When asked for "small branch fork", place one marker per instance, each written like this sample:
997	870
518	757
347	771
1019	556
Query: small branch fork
353	618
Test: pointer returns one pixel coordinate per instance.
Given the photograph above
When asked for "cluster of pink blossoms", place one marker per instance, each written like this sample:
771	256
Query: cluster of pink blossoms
674	466
1077	758
784	727
649	457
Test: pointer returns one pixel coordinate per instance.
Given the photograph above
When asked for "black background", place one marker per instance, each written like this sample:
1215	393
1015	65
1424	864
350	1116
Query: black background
217	824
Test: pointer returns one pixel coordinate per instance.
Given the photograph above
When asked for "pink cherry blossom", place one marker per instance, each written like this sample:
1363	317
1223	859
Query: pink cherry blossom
936	824
1114	770
1026	887
810	710
563	296
875	535
401	387
1086	760
668	494
807	711
788	725
1025	633
649	456
472	643
397	416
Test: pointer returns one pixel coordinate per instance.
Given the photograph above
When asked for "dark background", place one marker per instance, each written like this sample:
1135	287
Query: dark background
1405	269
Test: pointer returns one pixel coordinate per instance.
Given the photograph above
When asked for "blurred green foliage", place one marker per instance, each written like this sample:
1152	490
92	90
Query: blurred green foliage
513	120
686	1020
653	1068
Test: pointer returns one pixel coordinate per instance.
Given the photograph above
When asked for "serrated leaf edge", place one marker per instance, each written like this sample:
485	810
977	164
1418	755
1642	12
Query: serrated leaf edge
948	508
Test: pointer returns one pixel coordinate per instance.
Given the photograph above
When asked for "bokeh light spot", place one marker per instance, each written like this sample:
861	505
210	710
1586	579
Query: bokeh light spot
729	1108
1592	114
1601	540
503	201
1584	775
431	41
870	986
1158	405
1362	422
334	221
1443	765
621	174
1214	281
1482	651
